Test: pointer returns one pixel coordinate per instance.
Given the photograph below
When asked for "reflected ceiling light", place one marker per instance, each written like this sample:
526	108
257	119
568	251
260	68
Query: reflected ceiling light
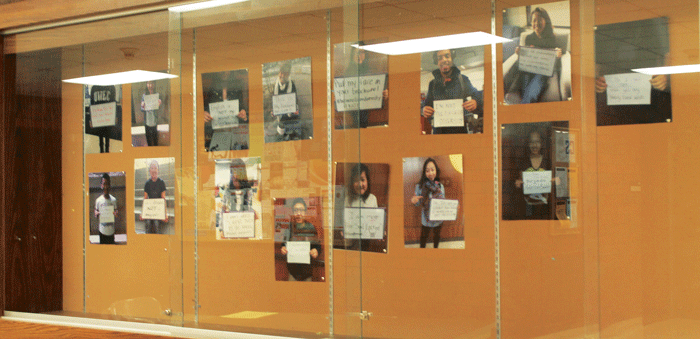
669	69
128	77
203	5
434	43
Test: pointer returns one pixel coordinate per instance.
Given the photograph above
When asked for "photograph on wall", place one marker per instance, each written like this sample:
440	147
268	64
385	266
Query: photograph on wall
103	118
154	198
433	202
107	207
535	161
225	110
287	100
237	199
150	113
361	207
624	96
299	239
537	62
452	91
360	87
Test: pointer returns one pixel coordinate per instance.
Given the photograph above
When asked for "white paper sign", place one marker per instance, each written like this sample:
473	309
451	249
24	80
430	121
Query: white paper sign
106	214
284	103
628	89
537	60
103	115
153	209
151	101
239	225
537	182
298	252
364	223
224	114
448	113
363	93
561	173
443	209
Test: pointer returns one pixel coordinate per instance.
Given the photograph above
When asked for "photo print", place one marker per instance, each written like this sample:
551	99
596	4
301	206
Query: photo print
237	199
154	195
287	101
107	207
299	239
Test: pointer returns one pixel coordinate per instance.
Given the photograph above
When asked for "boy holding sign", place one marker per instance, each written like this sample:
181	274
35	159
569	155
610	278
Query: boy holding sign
303	245
154	189
106	211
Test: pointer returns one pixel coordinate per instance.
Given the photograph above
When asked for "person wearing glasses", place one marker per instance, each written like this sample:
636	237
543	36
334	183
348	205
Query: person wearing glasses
536	205
301	230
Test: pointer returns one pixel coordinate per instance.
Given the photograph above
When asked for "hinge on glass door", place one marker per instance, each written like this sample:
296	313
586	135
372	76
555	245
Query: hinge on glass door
364	315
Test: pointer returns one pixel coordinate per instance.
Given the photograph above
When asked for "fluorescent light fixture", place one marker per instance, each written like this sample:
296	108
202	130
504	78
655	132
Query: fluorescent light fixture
120	78
669	69
203	5
434	43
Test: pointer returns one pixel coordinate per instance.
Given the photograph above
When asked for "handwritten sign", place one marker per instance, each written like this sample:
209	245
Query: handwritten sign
443	209
364	223
562	187
151	101
448	113
363	93
239	225
298	252
153	209
224	114
284	103
103	115
537	60
537	182
106	214
628	89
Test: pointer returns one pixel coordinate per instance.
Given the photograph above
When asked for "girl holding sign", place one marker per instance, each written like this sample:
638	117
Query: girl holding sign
526	87
536	205
428	187
150	105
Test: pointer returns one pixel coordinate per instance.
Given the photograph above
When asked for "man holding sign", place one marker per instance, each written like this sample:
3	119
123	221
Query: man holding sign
103	113
450	87
154	189
225	129
106	211
285	107
303	244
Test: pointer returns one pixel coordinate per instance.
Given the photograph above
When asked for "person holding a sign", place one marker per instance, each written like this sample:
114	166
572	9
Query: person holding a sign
450	84
526	87
359	196
429	187
154	189
657	108
228	86
300	230
288	125
537	204
359	66
101	96
106	203
150	106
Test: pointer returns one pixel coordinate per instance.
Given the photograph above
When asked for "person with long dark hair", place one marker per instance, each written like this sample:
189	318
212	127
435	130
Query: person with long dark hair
429	187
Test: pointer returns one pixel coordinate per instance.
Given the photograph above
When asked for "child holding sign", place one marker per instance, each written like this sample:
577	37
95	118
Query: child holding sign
150	106
106	203
429	187
537	204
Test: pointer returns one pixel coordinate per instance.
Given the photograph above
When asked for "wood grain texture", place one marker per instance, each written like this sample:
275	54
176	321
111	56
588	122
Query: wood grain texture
3	191
16	329
32	209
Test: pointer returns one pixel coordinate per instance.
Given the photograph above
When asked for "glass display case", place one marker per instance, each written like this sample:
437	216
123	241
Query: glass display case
380	169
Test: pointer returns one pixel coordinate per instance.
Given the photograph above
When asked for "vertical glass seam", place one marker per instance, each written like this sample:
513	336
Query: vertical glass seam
329	142
84	191
494	101
196	177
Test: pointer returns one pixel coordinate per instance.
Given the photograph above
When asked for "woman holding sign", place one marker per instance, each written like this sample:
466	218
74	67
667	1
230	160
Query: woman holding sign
150	106
526	87
537	204
429	187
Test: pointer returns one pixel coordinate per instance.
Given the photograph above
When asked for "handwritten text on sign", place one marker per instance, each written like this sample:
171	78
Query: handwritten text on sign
537	182
537	60
448	113
443	209
284	103
153	209
106	214
364	223
298	252
363	93
103	114
224	114
628	89
239	225
151	101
